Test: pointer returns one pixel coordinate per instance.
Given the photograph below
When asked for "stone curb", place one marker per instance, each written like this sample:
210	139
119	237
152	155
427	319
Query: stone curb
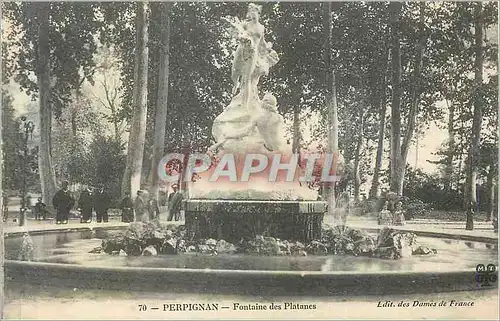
315	283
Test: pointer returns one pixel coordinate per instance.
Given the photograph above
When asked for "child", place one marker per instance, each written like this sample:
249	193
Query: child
40	209
127	209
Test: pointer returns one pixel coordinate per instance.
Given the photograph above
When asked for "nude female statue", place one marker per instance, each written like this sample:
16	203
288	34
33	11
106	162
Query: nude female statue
253	57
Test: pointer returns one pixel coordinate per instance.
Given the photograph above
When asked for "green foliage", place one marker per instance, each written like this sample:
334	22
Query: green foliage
199	67
13	151
452	71
414	207
72	134
296	31
72	30
200	62
424	191
11	144
105	165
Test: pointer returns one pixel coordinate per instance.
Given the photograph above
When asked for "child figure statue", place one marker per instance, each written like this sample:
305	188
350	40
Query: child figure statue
398	216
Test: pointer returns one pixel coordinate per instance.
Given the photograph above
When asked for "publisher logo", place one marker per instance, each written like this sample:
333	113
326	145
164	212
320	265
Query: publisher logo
486	275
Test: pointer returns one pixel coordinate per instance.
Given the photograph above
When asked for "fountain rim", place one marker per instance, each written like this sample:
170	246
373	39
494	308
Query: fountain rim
442	235
225	272
253	282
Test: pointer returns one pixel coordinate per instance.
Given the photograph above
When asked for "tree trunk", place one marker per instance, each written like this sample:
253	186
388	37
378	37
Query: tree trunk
380	104
357	158
490	186
116	127
395	162
461	165
401	149
451	147
133	170
162	100
111	98
46	169
74	114
331	100
296	129
2	240
473	154
412	115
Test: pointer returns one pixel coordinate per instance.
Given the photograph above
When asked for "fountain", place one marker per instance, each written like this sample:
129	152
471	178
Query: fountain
250	125
287	251
68	258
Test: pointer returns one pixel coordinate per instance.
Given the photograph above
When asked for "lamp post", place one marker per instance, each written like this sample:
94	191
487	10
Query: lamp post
27	127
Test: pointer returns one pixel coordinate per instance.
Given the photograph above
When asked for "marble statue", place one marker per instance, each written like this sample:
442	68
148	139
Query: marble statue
250	124
242	123
398	215
384	216
268	123
253	57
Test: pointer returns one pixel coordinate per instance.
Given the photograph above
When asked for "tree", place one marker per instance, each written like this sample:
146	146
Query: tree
399	149
108	67
163	88
105	161
200	66
55	42
46	168
358	153
380	103
297	80
79	123
453	60
133	170
2	245
331	100
473	154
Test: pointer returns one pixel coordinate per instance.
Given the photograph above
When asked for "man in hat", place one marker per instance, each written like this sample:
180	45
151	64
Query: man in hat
140	206
63	202
86	205
174	203
153	208
127	207
101	204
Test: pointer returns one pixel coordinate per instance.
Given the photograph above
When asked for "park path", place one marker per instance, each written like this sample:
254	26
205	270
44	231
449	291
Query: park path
481	229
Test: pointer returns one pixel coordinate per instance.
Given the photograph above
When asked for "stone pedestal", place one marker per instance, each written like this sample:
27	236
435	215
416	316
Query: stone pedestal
233	220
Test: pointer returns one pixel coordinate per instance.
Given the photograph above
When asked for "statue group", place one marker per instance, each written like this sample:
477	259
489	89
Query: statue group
391	212
248	123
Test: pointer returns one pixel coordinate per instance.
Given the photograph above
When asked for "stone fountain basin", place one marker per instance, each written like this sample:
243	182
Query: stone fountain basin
62	258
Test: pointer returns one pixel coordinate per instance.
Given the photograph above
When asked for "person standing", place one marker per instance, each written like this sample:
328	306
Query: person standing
127	208
174	204
63	202
40	209
29	204
86	205
140	207
101	205
153	209
5	206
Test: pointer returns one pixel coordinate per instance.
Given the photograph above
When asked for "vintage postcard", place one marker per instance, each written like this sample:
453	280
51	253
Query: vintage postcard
249	160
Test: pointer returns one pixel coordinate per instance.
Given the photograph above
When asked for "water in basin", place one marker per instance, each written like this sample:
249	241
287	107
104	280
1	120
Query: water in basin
74	247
